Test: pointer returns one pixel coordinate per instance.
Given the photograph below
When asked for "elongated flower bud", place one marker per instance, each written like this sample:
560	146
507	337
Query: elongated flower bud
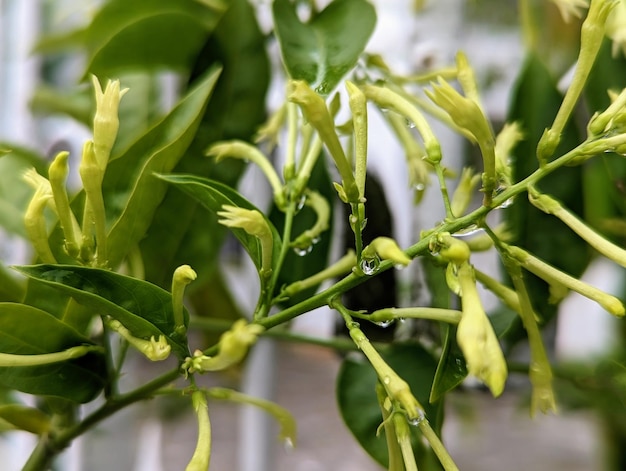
106	122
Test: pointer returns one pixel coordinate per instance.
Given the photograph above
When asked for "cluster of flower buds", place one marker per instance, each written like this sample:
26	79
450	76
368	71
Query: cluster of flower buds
79	241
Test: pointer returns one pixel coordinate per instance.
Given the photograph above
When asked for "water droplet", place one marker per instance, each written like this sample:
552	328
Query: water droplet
302	251
386	380
507	203
410	124
399	266
289	446
370	266
385	324
315	240
322	88
419	187
300	203
363	223
402	319
499	190
468	231
416	421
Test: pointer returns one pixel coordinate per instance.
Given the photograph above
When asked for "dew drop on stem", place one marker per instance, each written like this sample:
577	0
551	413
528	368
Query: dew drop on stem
416	421
302	251
288	444
370	266
300	203
385	324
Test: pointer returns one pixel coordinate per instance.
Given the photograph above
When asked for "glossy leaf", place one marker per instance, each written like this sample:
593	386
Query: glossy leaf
539	233
323	50
129	186
133	34
25	418
141	307
235	110
27	330
359	407
213	196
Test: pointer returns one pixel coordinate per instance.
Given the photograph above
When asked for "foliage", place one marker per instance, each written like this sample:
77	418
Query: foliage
113	260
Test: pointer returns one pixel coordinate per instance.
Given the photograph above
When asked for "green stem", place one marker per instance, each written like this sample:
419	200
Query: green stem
444	190
266	302
435	443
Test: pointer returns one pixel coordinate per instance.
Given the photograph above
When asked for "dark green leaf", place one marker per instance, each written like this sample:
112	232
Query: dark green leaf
213	195
130	189
26	330
134	34
235	110
141	307
451	370
539	233
359	407
25	418
323	50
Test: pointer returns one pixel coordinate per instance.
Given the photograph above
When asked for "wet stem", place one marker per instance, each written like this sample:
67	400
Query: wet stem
49	446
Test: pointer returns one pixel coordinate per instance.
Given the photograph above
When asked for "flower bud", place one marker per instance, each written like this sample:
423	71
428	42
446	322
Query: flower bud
233	347
202	454
34	219
183	275
244	151
387	249
106	121
152	349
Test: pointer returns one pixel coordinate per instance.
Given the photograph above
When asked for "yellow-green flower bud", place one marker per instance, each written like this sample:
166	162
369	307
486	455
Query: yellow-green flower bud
571	8
92	174
233	347
463	195
286	421
34	219
202	454
317	203
183	275
243	150
466	78
450	248
152	349
317	114
476	337
106	121
616	28
358	106
390	100
270	131
466	114
253	222
57	174
387	249
591	37
506	140
554	276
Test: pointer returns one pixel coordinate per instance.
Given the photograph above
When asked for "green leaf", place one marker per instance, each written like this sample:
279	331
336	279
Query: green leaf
27	330
134	34
141	307
129	186
323	50
359	407
236	108
296	267
213	195
452	369
25	418
15	193
539	233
